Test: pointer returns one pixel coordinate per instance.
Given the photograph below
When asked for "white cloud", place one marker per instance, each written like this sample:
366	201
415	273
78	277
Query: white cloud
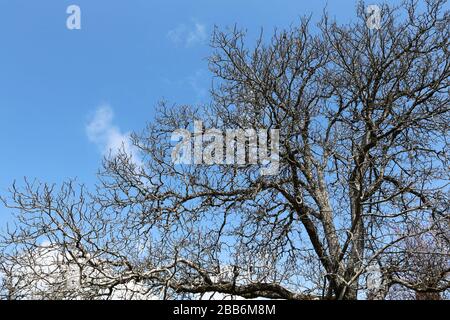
50	271
107	136
188	35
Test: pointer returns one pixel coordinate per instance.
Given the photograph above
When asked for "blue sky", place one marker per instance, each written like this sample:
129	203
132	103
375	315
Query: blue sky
66	95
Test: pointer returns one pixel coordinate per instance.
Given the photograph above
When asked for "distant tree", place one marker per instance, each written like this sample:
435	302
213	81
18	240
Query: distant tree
420	268
363	120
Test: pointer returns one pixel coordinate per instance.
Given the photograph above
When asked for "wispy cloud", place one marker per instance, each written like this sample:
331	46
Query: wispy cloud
108	137
196	81
188	34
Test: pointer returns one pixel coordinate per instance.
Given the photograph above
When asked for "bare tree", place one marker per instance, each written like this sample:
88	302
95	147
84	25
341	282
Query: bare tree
419	268
363	120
